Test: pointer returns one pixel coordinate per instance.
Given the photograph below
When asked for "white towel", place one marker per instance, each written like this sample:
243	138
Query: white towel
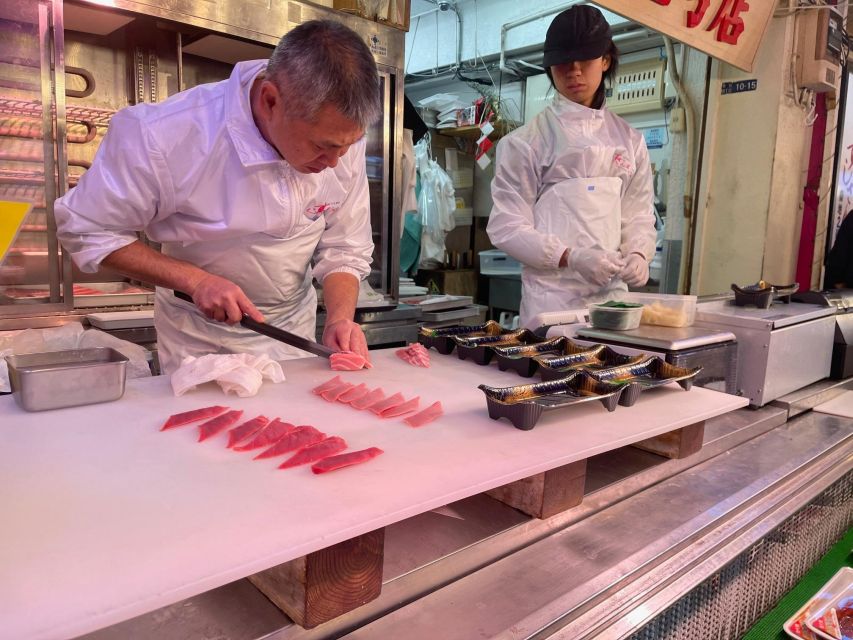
239	373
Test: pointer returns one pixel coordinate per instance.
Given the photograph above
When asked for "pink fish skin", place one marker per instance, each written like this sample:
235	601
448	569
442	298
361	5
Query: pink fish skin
219	423
180	419
328	384
387	403
348	361
248	428
345	459
432	412
397	410
370	399
297	439
313	453
270	434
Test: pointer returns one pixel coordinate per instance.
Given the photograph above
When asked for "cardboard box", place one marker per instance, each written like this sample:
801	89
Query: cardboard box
456	282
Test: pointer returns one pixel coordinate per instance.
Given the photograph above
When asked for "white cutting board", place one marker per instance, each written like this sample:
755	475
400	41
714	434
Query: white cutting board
840	405
104	517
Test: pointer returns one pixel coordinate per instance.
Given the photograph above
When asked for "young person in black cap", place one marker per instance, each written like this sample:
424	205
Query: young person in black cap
573	196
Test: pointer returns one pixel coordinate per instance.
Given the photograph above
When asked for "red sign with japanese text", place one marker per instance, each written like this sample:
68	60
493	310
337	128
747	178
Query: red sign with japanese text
729	30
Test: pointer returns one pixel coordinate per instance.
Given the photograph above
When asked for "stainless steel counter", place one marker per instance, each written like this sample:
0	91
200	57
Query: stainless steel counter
649	531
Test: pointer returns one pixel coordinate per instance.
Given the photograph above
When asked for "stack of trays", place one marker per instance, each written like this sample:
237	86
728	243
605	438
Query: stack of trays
481	348
522	358
596	357
442	339
524	404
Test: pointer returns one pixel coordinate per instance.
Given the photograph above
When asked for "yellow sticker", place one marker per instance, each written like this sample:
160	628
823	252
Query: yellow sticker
12	216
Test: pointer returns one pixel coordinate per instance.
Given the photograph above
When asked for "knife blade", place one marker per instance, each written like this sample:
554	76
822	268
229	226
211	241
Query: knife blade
277	334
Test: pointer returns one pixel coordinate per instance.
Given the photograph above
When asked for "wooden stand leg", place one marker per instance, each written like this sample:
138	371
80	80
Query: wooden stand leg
676	444
325	584
547	493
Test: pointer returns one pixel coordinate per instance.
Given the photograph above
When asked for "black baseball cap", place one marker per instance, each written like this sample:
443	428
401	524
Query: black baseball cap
578	33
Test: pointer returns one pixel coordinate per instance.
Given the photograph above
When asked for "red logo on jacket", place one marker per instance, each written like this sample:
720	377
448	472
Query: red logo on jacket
323	209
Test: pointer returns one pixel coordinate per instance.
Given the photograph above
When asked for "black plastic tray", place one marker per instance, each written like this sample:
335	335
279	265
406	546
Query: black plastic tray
523	404
646	374
521	357
762	294
441	339
480	349
597	357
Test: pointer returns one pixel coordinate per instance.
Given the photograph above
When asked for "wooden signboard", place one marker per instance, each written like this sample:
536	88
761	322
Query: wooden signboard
729	30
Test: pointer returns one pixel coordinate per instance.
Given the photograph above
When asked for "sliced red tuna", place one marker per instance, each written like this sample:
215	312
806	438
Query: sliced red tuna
219	423
415	354
313	453
328	384
300	437
348	361
371	398
407	407
345	460
426	416
387	403
270	434
180	419
331	395
354	394
248	428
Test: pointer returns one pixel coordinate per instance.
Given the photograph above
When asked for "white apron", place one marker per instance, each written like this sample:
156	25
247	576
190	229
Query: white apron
582	213
274	273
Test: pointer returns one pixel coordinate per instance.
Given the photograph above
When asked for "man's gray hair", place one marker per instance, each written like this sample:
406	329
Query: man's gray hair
324	62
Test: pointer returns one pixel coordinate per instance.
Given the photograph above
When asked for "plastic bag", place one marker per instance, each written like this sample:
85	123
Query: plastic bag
436	203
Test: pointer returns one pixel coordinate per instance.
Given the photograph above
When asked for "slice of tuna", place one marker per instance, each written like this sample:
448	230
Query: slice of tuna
371	398
354	394
248	428
387	403
219	423
407	407
315	452
328	384
345	460
415	354
180	419
348	361
426	416
331	395
300	437
270	434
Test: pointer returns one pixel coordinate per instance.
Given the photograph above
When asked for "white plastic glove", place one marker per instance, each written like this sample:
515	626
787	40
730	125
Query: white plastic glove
596	266
636	271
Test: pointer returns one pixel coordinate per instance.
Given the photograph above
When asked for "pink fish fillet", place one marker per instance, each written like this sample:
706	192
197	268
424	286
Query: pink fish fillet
248	428
345	459
354	394
334	393
328	384
415	354
348	361
300	437
371	398
219	423
180	419
407	407
315	452
426	416
270	434
387	403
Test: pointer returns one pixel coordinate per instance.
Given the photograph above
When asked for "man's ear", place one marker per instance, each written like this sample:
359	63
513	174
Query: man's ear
606	62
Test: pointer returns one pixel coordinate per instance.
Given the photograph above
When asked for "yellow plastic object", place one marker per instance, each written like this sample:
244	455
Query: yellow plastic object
12	216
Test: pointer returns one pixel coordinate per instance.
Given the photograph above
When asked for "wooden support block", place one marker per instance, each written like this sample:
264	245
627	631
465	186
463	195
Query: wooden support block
676	444
545	494
325	584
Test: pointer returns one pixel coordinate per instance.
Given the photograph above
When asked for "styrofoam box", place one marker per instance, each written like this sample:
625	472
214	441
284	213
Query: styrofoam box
663	309
462	178
495	262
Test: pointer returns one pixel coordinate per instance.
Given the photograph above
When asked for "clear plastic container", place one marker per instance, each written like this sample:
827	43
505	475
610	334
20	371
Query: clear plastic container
495	262
662	309
616	318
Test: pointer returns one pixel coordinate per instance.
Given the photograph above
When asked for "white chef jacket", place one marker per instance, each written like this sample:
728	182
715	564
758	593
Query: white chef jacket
195	174
573	177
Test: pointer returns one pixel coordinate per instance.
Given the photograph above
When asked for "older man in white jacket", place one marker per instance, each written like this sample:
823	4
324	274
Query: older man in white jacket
244	183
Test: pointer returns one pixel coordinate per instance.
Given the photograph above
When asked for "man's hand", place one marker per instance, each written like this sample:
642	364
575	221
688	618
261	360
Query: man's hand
596	266
636	271
222	300
346	335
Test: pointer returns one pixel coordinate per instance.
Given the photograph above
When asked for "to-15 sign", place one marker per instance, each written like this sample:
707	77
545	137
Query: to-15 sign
729	30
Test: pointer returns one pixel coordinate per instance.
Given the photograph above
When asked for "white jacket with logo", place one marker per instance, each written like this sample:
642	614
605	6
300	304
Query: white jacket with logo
195	174
572	177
